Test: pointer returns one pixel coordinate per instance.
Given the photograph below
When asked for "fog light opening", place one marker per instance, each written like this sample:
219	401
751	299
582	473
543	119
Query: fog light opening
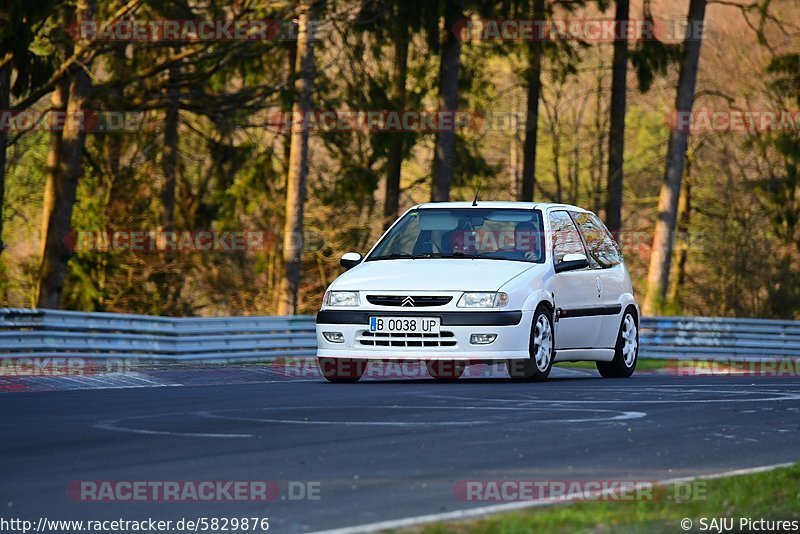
333	337
482	339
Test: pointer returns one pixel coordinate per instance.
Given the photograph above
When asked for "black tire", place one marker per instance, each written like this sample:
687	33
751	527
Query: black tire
341	370
620	366
445	370
528	369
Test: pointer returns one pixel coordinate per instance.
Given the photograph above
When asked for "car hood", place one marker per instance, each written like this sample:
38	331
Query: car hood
430	274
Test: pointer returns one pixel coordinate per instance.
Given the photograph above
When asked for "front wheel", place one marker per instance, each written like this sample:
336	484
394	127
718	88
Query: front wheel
342	370
626	351
540	348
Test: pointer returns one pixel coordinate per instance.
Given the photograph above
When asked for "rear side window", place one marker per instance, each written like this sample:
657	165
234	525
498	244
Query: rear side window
566	239
602	248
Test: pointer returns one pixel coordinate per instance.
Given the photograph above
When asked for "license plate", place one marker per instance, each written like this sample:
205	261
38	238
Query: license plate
405	325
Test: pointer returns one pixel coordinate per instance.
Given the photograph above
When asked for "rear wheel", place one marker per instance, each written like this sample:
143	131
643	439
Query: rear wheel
538	365
341	369
445	369
626	352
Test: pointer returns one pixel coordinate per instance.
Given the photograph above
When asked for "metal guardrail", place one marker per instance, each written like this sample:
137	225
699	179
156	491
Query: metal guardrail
52	333
718	338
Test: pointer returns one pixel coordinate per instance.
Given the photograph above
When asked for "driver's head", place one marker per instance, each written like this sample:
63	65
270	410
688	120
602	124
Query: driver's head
526	237
457	241
460	242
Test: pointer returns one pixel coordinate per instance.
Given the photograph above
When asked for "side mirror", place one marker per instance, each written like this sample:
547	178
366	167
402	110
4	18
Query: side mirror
572	262
350	260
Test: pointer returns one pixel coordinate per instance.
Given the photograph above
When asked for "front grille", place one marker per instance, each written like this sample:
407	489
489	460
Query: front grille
410	301
377	339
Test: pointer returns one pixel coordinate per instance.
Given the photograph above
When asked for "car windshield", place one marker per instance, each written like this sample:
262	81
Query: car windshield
497	234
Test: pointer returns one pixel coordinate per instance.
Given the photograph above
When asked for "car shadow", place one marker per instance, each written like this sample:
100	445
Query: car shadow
474	380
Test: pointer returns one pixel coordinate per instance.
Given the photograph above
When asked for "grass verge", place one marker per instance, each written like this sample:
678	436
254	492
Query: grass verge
643	364
772	495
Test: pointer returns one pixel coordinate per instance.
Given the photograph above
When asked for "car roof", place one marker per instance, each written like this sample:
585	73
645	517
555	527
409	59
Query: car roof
500	204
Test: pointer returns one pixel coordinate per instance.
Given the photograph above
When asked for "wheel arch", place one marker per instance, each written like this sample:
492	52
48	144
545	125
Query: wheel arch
537	298
626	302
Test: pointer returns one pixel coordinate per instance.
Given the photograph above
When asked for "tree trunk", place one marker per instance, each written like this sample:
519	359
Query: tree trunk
298	166
534	79
599	158
288	101
62	187
5	103
168	284
661	256
684	219
616	136
514	153
116	208
58	103
169	158
395	163
448	100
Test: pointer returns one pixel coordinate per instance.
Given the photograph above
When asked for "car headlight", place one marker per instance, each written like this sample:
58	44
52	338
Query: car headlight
474	299
341	298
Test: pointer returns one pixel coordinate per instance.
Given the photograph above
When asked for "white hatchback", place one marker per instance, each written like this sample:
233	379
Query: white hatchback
454	283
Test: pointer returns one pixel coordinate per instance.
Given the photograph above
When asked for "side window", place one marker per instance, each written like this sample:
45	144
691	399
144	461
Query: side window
602	248
566	239
610	247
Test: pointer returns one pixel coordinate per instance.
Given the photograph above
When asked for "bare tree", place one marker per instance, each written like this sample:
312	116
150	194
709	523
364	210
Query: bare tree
58	103
5	101
534	78
616	135
298	163
661	256
448	100
399	74
169	158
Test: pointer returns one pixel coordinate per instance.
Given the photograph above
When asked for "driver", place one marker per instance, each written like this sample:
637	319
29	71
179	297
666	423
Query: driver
459	243
527	240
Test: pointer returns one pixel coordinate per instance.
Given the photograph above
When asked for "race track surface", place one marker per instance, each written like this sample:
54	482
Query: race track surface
377	450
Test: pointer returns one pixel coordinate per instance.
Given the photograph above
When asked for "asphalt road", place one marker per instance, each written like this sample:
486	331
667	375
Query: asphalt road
376	450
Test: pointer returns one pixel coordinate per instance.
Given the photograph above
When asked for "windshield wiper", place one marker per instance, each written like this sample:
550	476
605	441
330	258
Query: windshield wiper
394	256
450	255
406	255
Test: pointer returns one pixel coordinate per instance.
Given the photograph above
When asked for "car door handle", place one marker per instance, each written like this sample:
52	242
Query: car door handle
599	286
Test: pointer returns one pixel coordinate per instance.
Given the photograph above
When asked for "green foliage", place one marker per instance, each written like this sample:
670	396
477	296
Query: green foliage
20	20
232	158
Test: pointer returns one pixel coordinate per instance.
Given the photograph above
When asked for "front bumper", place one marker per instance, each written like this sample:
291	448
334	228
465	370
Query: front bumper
511	327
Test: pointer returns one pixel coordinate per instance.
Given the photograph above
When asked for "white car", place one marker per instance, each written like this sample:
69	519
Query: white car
453	283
